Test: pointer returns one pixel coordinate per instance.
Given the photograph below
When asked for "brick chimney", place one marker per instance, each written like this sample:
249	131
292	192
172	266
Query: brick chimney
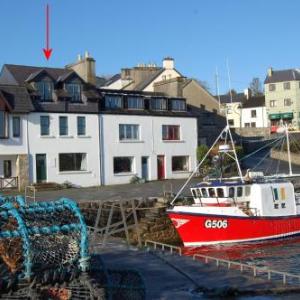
85	67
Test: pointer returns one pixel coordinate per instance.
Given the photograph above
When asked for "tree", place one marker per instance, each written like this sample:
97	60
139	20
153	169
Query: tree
256	87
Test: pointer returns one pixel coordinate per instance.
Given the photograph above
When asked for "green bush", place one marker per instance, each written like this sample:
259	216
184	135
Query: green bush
201	152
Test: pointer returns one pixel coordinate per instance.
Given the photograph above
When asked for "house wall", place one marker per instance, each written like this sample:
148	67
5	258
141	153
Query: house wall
15	145
165	75
54	144
150	145
234	113
261	116
279	95
196	95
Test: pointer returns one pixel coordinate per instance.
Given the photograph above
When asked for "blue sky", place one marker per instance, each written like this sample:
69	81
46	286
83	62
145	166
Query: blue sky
200	35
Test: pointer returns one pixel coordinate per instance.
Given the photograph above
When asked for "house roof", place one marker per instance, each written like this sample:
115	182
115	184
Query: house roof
224	99
113	79
258	101
147	81
17	97
22	73
283	75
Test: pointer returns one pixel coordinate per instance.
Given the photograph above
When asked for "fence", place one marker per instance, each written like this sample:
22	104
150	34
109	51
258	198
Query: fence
8	183
255	271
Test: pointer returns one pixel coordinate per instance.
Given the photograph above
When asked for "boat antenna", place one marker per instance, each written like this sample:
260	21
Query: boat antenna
229	80
217	88
288	149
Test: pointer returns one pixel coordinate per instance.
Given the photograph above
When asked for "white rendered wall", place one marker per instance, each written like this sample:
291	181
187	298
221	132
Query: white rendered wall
150	145
54	144
15	145
260	119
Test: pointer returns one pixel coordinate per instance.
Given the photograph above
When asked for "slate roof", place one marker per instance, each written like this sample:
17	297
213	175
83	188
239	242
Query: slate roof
113	79
258	101
224	99
283	75
145	83
21	73
17	97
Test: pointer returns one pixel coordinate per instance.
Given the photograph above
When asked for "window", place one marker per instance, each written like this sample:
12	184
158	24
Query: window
45	125
158	104
231	192
194	193
202	106
204	192
198	193
180	163
247	190
253	124
3	125
247	124
113	101
72	162
81	126
7	170
272	87
273	103
128	132
282	193
239	191
45	90
74	90
286	85
275	193
231	122
171	132
16	127
164	77
123	165
287	102
253	113
135	103
63	125
220	192
211	192
178	105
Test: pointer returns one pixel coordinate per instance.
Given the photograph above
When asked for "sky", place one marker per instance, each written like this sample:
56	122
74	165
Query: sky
200	35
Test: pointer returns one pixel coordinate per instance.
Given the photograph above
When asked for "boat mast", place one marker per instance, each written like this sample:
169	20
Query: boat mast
288	149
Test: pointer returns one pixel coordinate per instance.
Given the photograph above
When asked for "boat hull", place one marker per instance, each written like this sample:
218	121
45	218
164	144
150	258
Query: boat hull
203	229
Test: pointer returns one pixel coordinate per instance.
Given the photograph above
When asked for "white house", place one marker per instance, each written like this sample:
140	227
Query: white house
254	113
150	147
57	127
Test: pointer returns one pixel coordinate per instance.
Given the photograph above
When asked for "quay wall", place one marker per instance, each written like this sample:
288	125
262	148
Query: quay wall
295	158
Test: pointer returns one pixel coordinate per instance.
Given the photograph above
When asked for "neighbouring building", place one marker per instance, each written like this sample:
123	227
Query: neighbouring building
254	113
282	92
57	126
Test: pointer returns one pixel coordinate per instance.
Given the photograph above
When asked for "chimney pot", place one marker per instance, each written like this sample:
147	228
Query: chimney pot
79	57
270	72
87	55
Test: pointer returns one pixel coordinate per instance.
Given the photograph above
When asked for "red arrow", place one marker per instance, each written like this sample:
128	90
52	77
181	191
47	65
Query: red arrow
47	51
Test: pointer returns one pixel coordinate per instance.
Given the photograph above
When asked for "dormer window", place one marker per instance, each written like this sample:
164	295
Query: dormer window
45	90
74	90
178	105
135	102
158	104
113	101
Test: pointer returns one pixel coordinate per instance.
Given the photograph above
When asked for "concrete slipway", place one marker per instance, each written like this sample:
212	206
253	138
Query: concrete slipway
178	278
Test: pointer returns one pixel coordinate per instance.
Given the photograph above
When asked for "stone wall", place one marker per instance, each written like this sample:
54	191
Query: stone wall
23	171
295	158
252	131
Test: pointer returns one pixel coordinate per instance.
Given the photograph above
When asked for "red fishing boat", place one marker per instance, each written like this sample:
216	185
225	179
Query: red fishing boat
241	209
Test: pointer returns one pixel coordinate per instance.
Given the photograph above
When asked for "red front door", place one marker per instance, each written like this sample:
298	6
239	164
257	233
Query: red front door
160	167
